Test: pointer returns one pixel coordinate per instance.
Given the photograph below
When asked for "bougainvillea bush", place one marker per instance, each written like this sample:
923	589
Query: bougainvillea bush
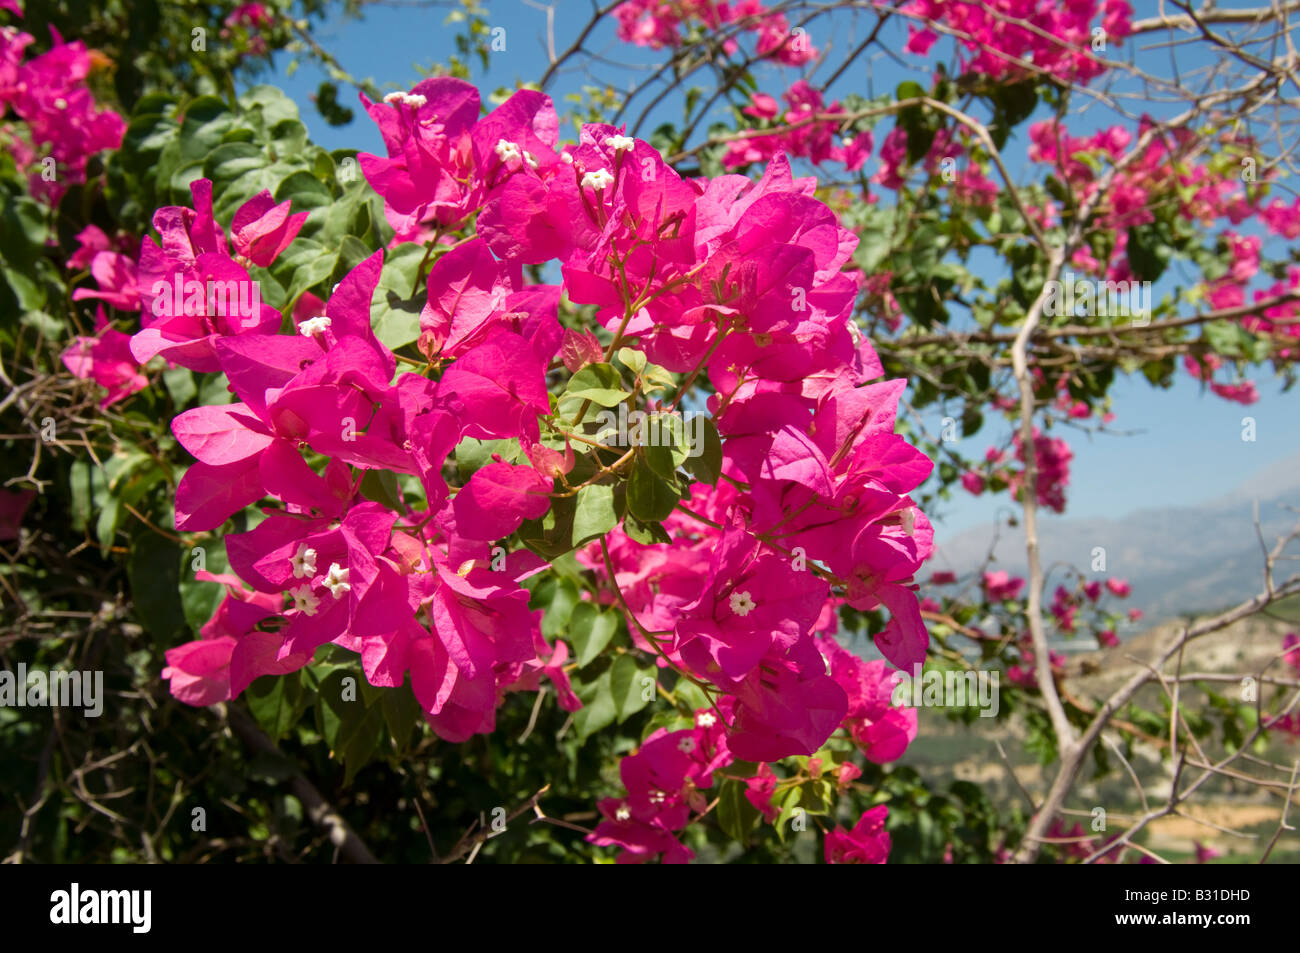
542	491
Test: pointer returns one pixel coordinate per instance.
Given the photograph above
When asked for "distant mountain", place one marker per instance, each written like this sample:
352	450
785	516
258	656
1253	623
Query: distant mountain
1178	559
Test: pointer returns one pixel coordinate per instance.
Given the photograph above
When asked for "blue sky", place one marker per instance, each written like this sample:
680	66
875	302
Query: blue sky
1184	447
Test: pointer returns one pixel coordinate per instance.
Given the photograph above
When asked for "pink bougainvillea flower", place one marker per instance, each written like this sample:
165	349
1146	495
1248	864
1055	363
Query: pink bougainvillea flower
106	359
1206	854
999	586
116	276
430	158
13	505
199	672
261	229
498	498
502	386
637	841
759	790
191	291
786	706
750	602
880	729
867	843
1292	644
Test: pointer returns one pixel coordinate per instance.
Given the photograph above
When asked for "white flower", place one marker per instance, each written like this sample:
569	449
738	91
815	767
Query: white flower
61	103
686	745
529	160
314	325
304	562
406	99
622	814
337	580
565	157
706	719
907	518
507	150
304	600
619	143
597	180
742	603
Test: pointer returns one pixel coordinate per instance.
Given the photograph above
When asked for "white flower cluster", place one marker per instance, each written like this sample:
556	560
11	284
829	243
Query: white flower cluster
314	325
406	99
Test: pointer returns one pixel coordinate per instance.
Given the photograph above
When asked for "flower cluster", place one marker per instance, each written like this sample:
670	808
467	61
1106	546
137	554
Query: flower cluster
659	23
1289	722
61	126
1006	39
244	28
1052	458
798	131
866	843
666	777
740	281
1204	194
192	290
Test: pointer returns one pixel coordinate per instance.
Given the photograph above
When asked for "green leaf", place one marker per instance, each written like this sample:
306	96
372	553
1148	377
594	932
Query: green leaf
473	454
598	383
628	687
271	102
589	631
557	597
1148	252
706	464
395	311
154	574
401	714
381	486
180	385
632	359
552	535
357	742
201	599
276	701
736	816
81	482
648	533
351	727
1012	105
597	709
207	119
594	515
305	191
789	802
649	498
